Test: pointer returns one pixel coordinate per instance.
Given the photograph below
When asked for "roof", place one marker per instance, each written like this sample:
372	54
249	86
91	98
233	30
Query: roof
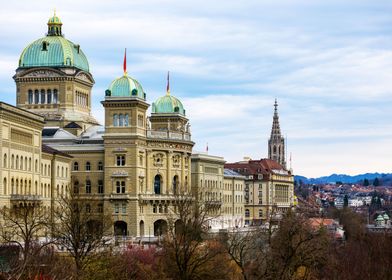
53	51
168	104
231	173
125	86
72	125
318	222
57	133
50	150
252	167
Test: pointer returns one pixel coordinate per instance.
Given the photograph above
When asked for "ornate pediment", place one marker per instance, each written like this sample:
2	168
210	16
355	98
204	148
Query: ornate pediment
41	74
84	77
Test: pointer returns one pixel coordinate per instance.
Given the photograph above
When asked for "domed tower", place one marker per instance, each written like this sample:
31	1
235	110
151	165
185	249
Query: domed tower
53	79
168	114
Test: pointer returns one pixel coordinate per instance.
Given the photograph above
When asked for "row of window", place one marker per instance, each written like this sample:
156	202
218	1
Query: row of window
88	189
24	187
247	213
99	208
87	166
43	96
120	120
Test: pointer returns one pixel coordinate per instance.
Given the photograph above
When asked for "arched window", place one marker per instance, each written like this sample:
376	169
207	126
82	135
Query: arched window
175	184
121	120
5	185
29	164
5	161
43	96
36	96
88	166
17	186
76	166
12	161
274	149
49	96
25	165
62	171
12	186
126	120
30	96
247	213
115	120
36	165
58	171
21	163
55	96
157	184
17	162
88	186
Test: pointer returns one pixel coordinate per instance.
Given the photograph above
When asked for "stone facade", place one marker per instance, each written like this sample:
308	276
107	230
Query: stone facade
269	189
223	190
30	172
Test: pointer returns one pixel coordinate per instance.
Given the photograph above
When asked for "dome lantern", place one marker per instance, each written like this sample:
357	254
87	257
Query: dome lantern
168	104
54	25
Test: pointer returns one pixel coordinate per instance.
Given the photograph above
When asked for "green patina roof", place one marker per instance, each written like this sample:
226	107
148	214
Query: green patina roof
54	19
168	104
59	52
125	86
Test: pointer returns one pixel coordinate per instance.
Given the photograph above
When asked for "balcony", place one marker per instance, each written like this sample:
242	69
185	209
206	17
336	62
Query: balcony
27	197
216	203
162	197
170	135
119	196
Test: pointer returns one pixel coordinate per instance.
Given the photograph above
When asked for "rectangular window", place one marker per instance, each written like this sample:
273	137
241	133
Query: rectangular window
120	160
100	186
116	208
120	186
124	208
100	208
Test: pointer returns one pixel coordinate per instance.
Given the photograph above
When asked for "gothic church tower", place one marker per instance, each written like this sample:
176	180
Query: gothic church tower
276	143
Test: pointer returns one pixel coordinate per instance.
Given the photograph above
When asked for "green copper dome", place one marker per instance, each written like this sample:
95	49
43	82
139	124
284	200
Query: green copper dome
168	104
53	50
125	86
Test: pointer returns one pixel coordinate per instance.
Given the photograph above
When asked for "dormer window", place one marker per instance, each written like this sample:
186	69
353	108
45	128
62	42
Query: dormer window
45	46
176	109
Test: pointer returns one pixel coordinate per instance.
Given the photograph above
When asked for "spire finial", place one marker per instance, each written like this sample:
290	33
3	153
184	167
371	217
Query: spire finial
125	62
168	83
276	106
54	12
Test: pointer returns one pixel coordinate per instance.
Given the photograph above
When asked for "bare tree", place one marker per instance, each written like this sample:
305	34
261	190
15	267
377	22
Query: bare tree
25	226
82	228
189	253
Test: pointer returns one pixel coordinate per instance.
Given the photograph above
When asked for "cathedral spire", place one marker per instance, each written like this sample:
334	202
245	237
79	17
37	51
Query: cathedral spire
276	143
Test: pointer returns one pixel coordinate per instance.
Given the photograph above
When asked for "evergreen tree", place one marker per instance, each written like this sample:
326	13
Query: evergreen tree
366	182
376	182
345	201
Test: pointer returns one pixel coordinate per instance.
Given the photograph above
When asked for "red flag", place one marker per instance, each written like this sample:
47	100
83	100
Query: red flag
168	83
125	61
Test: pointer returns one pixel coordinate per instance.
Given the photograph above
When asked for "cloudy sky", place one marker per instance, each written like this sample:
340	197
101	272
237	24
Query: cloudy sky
329	64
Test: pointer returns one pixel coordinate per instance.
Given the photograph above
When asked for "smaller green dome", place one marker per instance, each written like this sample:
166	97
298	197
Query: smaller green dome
168	104
125	86
54	19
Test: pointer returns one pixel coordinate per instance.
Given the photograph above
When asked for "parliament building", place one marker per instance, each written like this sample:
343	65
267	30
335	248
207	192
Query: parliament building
133	165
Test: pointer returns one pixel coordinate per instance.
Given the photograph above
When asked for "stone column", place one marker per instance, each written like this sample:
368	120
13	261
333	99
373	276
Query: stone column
147	173
168	172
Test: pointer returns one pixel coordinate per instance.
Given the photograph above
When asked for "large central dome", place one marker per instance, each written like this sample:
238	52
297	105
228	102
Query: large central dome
53	50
